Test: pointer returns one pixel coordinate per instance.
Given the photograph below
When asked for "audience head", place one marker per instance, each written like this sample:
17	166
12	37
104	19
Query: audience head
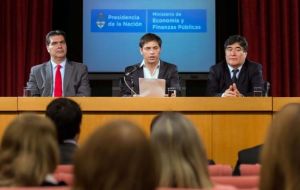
280	154
236	48
66	115
181	155
28	151
116	156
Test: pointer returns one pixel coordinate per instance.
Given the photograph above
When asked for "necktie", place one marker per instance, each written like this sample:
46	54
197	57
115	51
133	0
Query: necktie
58	82
234	78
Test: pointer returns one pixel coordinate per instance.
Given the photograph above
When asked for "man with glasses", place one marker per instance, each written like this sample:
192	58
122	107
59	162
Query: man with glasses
236	76
59	76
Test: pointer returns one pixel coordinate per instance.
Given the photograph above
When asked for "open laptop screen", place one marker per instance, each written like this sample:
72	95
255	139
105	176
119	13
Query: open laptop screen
152	87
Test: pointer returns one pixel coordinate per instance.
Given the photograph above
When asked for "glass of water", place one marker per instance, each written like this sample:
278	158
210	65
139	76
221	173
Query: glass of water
257	91
27	92
172	92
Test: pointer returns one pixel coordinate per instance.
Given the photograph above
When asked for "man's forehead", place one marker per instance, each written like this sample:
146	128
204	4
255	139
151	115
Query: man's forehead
57	38
151	44
235	45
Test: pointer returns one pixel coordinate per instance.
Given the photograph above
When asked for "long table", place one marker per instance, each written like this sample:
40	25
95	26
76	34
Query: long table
225	125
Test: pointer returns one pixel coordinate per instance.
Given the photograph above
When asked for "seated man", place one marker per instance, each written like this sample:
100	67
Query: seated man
58	76
66	115
247	156
236	76
151	67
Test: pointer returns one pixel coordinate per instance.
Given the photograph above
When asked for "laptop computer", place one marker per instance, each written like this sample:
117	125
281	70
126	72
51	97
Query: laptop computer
152	87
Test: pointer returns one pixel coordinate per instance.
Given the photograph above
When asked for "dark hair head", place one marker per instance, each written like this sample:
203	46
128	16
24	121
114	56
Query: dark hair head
237	39
117	155
67	115
54	33
148	38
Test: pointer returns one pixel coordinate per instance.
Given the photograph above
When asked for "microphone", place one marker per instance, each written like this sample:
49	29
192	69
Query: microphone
128	74
133	70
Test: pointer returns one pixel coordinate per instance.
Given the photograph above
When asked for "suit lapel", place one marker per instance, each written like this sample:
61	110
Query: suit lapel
161	70
48	88
227	81
68	73
140	72
242	76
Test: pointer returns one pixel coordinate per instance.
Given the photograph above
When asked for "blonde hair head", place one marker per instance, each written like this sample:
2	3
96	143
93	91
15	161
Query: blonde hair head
280	154
28	151
180	152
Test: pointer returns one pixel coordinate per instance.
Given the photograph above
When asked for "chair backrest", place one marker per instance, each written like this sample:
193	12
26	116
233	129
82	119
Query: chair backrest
250	169
173	188
35	188
218	187
64	173
64	169
65	177
237	181
219	170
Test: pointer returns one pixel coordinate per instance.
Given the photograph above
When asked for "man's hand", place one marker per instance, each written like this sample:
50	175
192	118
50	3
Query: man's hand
232	91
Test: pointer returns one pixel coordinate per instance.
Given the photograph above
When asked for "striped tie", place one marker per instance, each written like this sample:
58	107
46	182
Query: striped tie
234	78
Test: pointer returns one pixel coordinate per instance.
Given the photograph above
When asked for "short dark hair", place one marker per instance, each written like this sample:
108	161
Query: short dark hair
148	38
54	33
66	115
241	40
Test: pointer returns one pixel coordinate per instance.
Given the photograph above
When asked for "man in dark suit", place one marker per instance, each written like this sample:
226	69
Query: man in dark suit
66	115
151	67
59	76
236	76
247	156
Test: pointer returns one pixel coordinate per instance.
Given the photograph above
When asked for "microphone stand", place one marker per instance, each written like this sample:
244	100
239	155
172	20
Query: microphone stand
131	87
133	93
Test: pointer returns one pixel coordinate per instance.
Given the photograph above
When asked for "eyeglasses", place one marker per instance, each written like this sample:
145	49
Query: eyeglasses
237	49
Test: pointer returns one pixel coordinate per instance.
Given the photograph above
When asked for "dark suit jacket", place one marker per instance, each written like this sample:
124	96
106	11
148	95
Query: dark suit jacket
67	151
167	71
219	78
247	156
75	80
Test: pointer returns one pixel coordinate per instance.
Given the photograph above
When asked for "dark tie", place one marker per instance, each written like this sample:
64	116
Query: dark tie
234	78
58	82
